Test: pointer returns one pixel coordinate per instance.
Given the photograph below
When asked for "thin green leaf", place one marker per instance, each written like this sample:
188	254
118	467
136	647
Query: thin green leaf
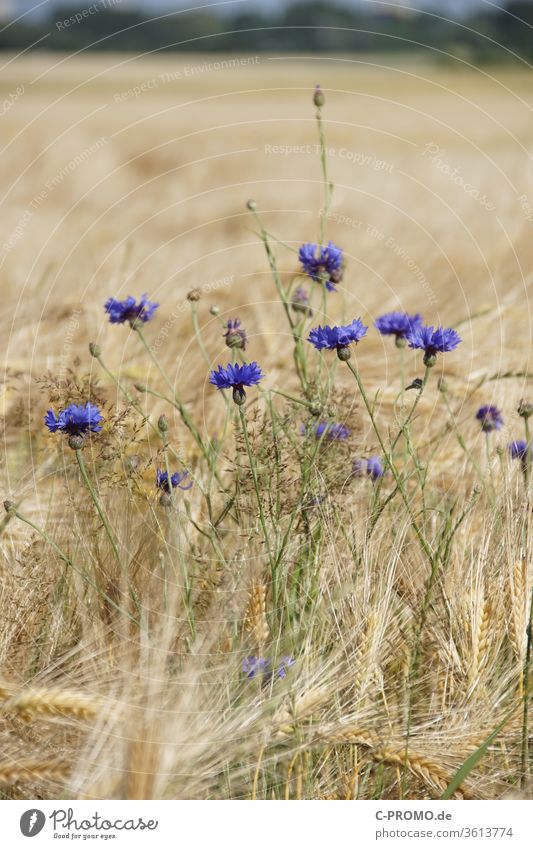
473	760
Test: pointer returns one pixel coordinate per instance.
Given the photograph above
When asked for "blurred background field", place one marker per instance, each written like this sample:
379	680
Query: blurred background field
125	174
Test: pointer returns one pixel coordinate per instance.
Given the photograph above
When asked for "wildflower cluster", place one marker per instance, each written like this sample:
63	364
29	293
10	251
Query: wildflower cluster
284	489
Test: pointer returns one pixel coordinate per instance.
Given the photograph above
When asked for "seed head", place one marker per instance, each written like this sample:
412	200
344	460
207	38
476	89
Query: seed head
344	354
239	395
76	441
318	97
525	409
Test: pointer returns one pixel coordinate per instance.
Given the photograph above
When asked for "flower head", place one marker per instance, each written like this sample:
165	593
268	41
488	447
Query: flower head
322	264
252	666
518	449
235	334
338	338
236	377
161	480
129	310
318	97
300	301
397	324
525	409
432	341
75	420
372	467
490	418
326	430
285	664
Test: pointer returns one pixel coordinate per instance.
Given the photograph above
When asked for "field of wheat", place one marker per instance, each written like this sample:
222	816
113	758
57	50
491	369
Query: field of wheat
291	625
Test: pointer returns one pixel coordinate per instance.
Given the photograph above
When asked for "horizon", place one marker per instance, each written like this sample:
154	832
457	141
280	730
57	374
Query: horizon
19	9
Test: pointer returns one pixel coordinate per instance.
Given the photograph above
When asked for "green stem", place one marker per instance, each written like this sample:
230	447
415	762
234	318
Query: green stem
399	482
256	486
489	467
525	713
324	166
176	402
529	643
197	333
292	398
401	350
527	456
459	437
100	511
298	352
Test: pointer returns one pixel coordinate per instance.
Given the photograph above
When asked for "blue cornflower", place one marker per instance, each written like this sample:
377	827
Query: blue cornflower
235	334
313	501
285	664
236	377
324	266
252	666
372	467
433	341
490	418
338	338
397	324
518	450
161	480
129	310
76	420
328	430
300	301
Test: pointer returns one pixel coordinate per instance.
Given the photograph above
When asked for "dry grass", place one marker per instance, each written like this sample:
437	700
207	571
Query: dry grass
96	703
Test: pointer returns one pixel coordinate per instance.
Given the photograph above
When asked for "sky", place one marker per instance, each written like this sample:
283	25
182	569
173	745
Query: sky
39	7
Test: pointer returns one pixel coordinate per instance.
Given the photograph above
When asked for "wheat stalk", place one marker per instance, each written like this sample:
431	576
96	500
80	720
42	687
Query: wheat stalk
6	691
141	770
255	621
303	706
423	767
480	642
33	770
49	702
517	619
484	634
